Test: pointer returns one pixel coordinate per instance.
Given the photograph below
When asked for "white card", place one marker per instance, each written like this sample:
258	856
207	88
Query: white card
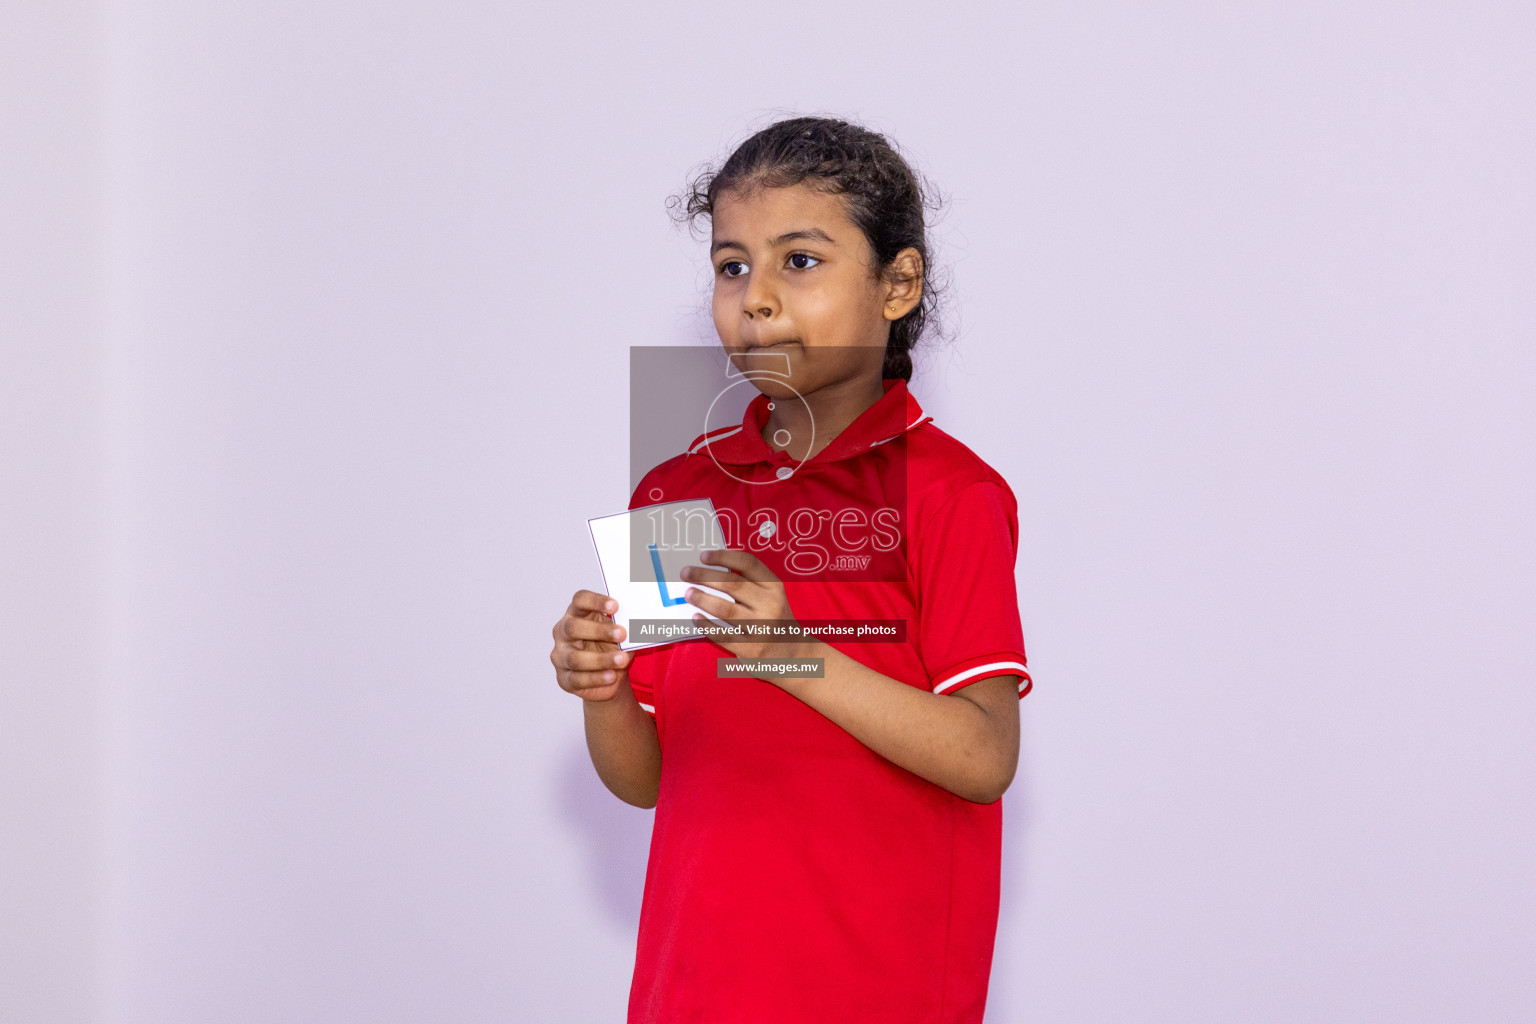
642	552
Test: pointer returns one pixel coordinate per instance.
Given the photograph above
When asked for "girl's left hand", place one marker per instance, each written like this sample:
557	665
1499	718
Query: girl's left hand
758	593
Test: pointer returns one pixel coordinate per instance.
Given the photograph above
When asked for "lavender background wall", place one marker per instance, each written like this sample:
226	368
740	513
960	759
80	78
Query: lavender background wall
51	431
313	361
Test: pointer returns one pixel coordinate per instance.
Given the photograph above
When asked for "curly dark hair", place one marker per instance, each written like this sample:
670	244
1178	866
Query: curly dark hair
885	197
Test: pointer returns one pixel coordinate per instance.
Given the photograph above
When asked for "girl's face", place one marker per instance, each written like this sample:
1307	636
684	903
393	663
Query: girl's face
795	276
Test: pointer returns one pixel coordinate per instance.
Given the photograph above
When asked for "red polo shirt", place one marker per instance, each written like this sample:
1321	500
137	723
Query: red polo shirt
795	875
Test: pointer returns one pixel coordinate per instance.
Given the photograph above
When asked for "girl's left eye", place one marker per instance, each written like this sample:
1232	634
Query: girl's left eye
801	261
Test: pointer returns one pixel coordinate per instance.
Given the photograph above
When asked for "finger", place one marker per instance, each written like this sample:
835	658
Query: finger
596	630
599	694
591	602
593	661
590	684
718	607
720	579
744	562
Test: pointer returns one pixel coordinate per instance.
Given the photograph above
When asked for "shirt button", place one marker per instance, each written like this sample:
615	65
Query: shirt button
767	529
784	472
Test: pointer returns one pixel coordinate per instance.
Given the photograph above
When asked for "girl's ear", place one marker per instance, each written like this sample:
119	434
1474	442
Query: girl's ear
903	284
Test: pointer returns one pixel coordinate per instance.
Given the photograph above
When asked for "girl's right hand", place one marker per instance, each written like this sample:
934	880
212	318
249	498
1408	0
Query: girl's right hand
586	657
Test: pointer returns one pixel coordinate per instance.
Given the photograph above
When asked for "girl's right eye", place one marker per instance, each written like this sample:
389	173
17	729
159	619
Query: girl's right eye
726	268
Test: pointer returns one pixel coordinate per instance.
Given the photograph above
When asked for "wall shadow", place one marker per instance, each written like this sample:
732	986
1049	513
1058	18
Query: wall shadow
1005	994
617	837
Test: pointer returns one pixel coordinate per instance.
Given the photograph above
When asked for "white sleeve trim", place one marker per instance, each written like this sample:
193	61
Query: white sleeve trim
991	669
647	709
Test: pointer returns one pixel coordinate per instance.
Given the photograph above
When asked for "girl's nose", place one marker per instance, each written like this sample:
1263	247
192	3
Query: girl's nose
759	304
759	300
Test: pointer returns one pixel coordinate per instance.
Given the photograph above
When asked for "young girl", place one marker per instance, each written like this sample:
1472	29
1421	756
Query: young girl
827	847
